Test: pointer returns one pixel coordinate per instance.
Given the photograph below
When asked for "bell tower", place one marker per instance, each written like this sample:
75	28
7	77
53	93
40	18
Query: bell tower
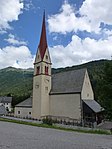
42	77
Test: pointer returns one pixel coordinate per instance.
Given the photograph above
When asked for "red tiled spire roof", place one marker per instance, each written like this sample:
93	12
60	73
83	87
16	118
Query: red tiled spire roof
43	39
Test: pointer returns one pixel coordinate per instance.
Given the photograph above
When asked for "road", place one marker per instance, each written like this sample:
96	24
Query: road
18	136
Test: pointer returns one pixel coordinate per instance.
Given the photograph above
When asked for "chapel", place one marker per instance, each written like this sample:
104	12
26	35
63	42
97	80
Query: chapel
64	96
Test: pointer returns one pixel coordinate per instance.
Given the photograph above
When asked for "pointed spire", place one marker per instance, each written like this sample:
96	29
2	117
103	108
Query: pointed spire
43	39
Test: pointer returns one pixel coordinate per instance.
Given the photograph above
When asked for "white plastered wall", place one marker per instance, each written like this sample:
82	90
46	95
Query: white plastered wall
66	105
87	92
7	105
48	60
41	87
24	112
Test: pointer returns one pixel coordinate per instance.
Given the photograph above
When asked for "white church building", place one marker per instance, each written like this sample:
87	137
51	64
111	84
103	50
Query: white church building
65	96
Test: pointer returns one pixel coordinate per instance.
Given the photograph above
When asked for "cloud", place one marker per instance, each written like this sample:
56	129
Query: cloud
9	11
80	51
19	57
97	11
15	41
28	5
64	21
67	21
2	32
88	18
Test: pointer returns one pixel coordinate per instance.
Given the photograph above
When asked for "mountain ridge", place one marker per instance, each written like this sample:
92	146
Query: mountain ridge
19	82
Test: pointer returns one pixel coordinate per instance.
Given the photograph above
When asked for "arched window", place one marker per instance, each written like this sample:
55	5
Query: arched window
38	70
46	70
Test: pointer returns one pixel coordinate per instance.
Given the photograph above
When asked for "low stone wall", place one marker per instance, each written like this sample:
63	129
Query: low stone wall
55	124
23	119
74	127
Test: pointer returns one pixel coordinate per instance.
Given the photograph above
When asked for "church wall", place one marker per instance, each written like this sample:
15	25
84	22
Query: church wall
65	106
87	92
47	57
46	87
36	105
23	112
41	86
41	89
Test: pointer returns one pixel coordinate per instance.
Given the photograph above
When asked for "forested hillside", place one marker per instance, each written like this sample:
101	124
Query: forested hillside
18	82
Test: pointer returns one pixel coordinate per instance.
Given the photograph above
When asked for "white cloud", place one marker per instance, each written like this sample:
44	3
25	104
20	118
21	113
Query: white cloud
19	57
67	21
97	11
14	40
64	21
80	51
28	5
92	12
2	32
9	11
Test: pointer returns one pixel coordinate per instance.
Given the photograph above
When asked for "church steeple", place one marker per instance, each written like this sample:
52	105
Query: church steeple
42	77
43	39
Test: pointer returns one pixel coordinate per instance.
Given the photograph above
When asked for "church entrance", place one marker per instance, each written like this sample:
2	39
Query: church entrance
91	116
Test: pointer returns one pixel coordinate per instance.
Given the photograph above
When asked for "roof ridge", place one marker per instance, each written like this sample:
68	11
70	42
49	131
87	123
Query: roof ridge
69	71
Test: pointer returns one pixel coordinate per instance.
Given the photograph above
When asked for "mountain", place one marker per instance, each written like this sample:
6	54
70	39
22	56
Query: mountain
15	81
18	82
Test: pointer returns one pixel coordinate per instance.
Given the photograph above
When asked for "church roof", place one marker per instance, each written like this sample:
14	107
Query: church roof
26	103
43	39
68	82
5	99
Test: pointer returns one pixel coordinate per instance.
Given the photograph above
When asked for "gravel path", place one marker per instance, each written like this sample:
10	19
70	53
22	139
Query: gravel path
17	136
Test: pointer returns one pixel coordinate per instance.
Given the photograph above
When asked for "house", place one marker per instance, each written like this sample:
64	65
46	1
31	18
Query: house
3	111
24	109
6	101
5	104
65	96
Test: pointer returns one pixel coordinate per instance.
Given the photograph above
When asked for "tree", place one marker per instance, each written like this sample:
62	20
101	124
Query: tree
106	90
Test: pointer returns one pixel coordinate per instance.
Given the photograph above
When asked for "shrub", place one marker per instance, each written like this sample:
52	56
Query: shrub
47	121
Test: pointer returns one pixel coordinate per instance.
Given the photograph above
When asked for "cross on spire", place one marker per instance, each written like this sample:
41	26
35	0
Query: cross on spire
43	39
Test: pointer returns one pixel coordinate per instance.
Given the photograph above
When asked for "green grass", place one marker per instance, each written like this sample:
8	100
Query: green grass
56	127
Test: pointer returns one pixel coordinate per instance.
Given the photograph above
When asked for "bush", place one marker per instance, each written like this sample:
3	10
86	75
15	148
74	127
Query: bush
47	121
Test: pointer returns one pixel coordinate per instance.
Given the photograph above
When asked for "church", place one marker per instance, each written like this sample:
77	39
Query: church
64	96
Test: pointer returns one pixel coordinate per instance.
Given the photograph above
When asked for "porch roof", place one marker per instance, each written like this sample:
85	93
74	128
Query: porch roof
93	105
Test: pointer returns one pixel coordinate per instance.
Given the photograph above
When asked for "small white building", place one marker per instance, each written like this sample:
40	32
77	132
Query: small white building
6	102
24	109
65	96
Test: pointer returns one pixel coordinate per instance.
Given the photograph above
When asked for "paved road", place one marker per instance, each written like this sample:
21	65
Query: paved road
17	136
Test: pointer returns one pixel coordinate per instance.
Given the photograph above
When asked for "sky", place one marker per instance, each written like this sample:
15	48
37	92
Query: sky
78	31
